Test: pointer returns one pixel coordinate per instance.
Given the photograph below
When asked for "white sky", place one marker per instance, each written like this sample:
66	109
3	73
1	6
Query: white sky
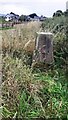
41	7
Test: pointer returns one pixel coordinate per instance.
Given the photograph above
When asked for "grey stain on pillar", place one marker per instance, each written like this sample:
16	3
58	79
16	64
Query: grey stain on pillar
43	48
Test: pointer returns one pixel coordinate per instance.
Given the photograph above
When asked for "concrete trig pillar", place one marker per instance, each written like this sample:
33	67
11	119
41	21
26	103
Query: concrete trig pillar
43	52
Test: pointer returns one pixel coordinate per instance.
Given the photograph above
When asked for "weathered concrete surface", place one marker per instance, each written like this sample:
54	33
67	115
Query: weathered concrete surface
43	52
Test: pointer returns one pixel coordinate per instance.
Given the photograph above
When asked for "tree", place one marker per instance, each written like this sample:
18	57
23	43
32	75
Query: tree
22	18
66	13
58	13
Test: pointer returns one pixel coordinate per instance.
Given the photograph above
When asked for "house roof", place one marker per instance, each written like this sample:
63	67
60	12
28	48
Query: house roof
11	15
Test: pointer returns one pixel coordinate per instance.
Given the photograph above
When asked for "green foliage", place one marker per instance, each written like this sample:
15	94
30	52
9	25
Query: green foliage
22	18
58	13
54	93
29	94
58	26
6	28
2	20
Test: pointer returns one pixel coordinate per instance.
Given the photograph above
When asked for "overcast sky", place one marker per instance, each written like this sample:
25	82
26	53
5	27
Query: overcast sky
41	7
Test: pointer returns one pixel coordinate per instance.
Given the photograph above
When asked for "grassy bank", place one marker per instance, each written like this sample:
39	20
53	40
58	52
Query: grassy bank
28	93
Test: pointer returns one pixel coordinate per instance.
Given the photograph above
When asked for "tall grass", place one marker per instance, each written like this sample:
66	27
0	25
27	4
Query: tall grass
15	39
29	94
